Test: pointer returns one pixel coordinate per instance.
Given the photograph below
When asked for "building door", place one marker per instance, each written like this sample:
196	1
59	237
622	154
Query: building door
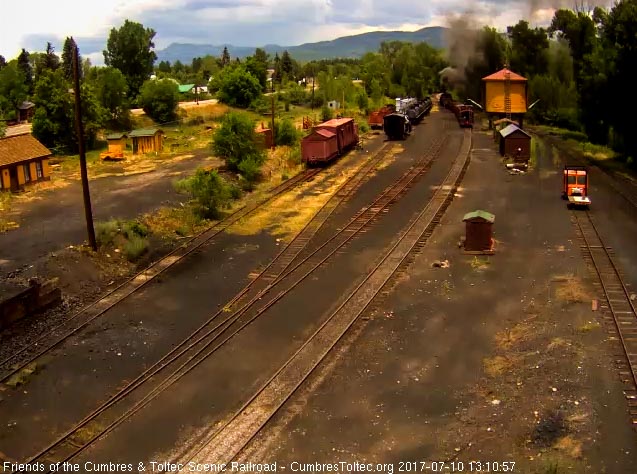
13	178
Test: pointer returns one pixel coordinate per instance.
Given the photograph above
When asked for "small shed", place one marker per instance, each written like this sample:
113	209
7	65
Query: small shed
515	142
146	140
116	144
334	104
265	137
26	110
478	232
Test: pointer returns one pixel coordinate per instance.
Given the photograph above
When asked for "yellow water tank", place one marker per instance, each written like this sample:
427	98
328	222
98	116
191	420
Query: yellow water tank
495	92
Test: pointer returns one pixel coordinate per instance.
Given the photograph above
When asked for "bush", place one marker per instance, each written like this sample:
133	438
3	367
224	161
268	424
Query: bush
326	113
159	99
128	236
261	105
363	127
286	133
250	170
235	140
297	95
362	101
209	190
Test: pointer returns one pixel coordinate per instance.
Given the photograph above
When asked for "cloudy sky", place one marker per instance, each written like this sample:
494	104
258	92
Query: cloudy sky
31	23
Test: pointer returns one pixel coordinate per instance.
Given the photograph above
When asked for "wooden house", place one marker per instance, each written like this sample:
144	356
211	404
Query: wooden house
147	140
505	95
515	143
26	110
23	160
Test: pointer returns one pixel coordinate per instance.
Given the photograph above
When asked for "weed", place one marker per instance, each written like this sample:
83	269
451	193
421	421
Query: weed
135	247
480	263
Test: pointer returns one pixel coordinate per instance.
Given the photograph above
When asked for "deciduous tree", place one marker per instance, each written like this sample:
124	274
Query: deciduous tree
130	49
159	99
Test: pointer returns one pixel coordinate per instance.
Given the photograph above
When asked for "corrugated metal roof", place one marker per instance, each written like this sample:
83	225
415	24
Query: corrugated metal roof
21	148
185	87
487	216
144	132
26	105
501	76
115	136
509	129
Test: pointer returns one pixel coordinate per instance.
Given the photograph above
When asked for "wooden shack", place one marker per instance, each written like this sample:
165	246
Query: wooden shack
479	232
515	143
505	95
116	145
23	160
147	140
264	136
26	111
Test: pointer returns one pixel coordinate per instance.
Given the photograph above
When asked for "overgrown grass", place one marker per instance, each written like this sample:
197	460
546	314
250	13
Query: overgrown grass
128	237
5	207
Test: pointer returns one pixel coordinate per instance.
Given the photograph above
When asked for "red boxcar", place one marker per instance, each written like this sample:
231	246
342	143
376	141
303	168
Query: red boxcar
345	130
320	146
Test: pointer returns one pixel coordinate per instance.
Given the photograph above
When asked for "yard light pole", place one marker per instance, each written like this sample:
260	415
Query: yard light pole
79	130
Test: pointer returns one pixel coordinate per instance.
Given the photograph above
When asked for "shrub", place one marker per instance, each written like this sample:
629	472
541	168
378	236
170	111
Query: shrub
286	133
261	105
159	99
235	141
128	236
250	170
326	113
209	190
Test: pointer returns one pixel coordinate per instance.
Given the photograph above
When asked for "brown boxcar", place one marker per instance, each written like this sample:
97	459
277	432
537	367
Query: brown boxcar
320	146
345	130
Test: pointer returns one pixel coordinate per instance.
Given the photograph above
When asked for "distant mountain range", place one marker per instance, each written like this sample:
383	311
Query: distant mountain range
346	47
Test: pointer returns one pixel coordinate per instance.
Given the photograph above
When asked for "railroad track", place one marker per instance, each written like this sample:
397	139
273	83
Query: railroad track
618	310
224	443
82	318
223	325
96	309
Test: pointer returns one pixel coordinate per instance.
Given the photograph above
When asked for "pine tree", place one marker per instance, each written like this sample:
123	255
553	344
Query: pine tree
24	65
51	61
225	57
67	57
277	69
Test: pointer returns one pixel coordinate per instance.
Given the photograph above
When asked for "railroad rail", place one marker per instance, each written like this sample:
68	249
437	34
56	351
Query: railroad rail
618	309
223	325
89	313
224	443
96	309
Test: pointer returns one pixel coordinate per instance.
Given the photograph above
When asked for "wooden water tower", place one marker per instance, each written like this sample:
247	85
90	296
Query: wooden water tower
505	96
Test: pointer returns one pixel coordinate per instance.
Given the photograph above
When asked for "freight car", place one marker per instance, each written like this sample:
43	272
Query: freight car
397	126
329	140
375	119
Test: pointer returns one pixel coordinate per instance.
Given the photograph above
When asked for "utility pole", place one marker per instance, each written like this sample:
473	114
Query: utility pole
273	131
313	90
79	130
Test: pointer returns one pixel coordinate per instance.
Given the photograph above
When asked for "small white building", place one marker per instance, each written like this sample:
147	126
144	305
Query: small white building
334	104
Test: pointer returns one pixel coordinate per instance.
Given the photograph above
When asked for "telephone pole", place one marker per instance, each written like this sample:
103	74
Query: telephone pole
79	130
273	131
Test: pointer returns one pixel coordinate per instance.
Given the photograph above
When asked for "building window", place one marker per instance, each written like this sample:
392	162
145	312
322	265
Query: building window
27	173
38	169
